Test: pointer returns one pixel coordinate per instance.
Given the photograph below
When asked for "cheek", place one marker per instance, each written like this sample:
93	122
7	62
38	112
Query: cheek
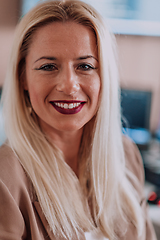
94	90
35	95
37	91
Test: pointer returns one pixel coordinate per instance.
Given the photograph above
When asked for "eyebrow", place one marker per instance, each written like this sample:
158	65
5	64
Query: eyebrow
48	58
86	57
53	58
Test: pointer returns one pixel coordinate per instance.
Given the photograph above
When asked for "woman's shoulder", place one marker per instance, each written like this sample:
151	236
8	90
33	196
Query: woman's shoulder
12	174
6	154
17	215
135	166
133	159
9	164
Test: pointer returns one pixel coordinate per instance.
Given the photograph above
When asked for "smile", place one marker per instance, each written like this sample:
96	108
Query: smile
68	107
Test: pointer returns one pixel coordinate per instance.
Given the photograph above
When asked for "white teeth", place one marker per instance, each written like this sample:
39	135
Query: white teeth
70	106
67	106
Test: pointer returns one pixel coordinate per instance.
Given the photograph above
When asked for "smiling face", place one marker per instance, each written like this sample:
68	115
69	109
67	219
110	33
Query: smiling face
62	76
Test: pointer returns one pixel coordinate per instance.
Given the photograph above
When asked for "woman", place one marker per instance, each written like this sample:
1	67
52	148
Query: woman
64	171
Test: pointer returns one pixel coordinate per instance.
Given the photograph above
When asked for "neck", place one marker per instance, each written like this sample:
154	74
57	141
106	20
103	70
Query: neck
69	144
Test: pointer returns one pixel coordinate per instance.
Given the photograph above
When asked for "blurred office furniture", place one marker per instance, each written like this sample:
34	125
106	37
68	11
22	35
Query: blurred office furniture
136	107
154	209
151	159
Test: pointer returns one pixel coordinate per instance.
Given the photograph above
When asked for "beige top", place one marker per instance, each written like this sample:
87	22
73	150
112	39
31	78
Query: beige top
21	216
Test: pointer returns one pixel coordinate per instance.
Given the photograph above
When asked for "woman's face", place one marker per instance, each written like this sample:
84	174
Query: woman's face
62	76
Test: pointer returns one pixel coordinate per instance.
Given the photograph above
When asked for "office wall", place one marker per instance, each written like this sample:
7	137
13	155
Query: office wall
9	15
9	12
139	65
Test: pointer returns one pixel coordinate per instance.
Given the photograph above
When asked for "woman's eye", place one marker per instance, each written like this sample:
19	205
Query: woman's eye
85	67
47	67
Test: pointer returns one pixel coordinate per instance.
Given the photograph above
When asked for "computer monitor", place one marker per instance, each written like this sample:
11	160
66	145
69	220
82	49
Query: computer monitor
135	108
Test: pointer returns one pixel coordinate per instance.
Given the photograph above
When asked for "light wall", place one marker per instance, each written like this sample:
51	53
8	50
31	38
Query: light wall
9	15
139	64
9	12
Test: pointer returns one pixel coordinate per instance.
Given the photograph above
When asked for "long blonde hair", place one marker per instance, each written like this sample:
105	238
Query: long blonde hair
96	200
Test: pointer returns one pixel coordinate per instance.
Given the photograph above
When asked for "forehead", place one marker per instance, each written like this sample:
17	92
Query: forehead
69	35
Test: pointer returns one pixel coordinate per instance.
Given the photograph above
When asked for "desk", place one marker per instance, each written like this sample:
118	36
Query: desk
151	159
154	210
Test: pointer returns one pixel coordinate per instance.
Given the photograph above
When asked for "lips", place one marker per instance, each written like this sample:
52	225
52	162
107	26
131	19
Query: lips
68	107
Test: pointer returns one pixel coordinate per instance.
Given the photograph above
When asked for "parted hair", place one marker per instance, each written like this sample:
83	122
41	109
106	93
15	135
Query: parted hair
102	197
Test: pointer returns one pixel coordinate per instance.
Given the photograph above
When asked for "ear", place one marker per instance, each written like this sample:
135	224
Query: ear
25	86
24	83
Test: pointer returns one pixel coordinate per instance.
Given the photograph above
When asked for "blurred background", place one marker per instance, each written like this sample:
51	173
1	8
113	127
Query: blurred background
136	25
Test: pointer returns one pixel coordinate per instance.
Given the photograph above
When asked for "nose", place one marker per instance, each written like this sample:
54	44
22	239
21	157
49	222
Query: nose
68	82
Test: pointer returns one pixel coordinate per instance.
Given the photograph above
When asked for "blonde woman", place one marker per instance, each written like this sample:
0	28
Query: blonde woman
66	172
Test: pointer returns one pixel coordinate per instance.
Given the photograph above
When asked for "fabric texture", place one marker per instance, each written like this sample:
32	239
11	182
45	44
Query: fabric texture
21	216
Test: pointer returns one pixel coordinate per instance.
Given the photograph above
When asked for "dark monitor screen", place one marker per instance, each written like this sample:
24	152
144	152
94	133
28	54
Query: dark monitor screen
135	108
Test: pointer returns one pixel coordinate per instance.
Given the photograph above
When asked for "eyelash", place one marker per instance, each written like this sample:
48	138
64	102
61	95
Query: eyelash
52	67
84	65
47	67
